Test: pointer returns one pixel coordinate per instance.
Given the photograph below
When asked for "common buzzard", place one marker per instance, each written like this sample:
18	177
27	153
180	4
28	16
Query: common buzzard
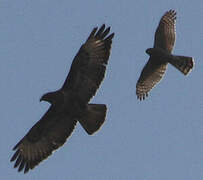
69	104
161	55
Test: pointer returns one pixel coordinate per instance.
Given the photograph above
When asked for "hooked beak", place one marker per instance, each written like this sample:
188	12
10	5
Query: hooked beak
41	99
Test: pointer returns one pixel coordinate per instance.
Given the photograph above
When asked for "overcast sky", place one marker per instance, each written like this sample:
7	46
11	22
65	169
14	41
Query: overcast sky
160	138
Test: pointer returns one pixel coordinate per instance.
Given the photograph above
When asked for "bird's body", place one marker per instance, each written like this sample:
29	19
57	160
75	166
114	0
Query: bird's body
69	104
161	55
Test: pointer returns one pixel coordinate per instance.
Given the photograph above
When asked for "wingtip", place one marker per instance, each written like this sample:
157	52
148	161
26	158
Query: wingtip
15	147
103	26
92	33
22	165
14	156
110	37
95	29
26	168
100	31
142	97
173	12
193	62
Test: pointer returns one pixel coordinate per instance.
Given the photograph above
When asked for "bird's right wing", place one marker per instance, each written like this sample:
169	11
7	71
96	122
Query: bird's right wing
151	74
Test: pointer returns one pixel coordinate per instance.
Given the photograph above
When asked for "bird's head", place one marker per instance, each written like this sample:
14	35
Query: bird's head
47	97
149	51
53	97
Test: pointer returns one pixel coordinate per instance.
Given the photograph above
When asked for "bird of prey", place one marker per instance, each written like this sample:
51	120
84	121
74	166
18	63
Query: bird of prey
161	55
69	104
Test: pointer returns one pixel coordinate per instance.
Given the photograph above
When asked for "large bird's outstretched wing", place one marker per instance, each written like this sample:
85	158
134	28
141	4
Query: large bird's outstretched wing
165	33
89	65
151	74
44	137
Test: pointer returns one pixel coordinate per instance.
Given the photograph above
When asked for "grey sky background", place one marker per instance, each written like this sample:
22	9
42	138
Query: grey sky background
159	138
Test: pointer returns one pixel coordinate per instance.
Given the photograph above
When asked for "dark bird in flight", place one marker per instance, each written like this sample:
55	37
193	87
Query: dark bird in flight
69	104
161	55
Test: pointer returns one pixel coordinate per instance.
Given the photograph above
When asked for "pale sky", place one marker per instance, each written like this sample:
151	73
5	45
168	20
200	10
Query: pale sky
160	138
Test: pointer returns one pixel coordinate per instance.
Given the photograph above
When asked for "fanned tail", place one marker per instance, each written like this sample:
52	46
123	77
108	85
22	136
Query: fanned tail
183	63
93	118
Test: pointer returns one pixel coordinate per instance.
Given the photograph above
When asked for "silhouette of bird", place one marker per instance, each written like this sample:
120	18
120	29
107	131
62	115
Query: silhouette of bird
161	55
69	104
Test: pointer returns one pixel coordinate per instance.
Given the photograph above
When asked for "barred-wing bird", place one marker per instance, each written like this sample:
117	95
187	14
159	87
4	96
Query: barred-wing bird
161	55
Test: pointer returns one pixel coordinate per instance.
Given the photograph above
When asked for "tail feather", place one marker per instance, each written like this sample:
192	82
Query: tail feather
93	118
182	63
